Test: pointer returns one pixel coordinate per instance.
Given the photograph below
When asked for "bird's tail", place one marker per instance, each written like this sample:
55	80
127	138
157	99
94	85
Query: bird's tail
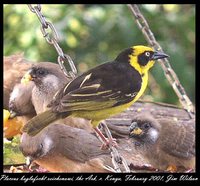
37	123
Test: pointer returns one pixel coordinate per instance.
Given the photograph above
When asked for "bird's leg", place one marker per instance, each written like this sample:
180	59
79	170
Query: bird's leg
31	166
102	138
111	140
172	168
107	142
111	143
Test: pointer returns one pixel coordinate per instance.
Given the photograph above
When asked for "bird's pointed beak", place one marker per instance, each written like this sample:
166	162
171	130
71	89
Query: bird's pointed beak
12	114
159	55
136	131
26	78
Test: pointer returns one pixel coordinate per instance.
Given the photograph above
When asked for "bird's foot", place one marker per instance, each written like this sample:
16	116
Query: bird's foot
189	171
172	168
40	170
108	143
35	168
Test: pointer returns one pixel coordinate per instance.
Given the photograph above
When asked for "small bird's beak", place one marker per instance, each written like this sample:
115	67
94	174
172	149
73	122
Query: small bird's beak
6	115
12	114
136	131
26	78
159	55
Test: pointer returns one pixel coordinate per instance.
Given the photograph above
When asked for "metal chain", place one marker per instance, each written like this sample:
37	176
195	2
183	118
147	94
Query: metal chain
169	72
52	38
117	159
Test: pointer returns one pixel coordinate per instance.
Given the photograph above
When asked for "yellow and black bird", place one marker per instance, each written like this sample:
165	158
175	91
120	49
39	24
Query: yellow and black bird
99	93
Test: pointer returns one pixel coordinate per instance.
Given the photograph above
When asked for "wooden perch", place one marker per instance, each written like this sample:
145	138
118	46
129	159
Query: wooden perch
119	127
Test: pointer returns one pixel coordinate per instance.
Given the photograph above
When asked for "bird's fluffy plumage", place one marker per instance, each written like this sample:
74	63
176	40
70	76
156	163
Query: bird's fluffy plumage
165	142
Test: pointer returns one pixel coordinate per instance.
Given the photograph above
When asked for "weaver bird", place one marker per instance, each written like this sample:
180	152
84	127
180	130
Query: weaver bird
101	92
167	144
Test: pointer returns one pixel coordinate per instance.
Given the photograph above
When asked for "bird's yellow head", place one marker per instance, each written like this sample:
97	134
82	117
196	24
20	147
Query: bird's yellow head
142	58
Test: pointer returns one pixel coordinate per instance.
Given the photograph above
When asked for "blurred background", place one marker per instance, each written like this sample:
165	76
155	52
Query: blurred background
93	34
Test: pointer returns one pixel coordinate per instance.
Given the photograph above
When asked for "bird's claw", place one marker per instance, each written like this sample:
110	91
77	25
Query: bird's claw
109	143
189	171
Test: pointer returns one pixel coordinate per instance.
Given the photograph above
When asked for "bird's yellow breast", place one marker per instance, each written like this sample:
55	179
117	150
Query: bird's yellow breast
97	115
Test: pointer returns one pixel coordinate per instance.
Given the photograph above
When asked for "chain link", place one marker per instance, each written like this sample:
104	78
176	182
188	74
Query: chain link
169	72
117	159
52	38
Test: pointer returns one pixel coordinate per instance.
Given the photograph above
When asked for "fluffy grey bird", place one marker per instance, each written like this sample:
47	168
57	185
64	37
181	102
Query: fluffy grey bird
165	143
14	67
34	97
48	79
61	148
20	103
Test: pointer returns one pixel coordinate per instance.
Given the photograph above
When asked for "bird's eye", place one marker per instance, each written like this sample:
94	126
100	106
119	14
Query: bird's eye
146	125
147	54
41	72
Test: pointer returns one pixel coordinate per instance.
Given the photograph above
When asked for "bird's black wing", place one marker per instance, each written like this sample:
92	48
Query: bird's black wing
108	85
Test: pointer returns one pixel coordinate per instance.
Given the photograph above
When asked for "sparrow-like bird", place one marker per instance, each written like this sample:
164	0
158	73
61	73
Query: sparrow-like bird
101	92
165	143
25	100
14	67
20	101
61	148
47	78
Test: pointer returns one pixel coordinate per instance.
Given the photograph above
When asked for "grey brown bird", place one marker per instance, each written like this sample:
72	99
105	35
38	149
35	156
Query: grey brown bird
24	101
61	148
165	143
14	67
48	79
20	101
33	97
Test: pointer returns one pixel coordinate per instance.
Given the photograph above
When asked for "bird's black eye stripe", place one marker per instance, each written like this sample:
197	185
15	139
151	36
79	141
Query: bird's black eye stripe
144	58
